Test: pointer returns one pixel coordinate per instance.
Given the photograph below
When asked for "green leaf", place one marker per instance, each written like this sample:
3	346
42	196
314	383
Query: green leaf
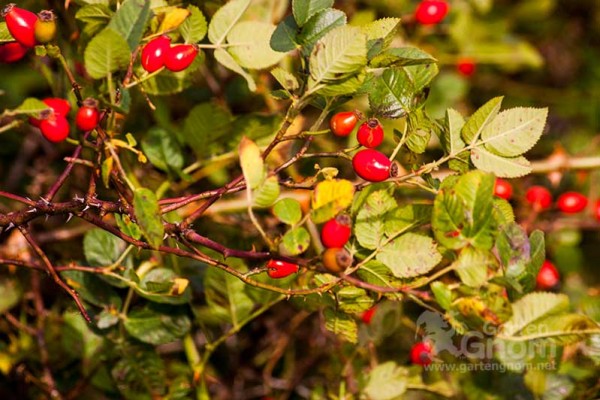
341	324
78	340
408	216
156	326
462	212
95	16
225	18
442	293
267	192
285	79
472	266
480	119
130	21
562	329
140	374
163	150
318	26
400	57
226	297
11	293
390	94
162	285
353	300
451	140
304	9
250	45
329	198
30	106
533	307
285	36
295	241
127	226
419	134
500	166
194	28
288	211
410	255
102	248
377	273
514	131
347	86
251	162
106	53
369	227
380	34
5	35
204	126
339	54
387	381
147	213
226	59
168	82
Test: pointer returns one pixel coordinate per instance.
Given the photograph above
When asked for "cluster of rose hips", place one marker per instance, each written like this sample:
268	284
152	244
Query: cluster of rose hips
54	124
159	53
28	29
334	235
369	164
541	198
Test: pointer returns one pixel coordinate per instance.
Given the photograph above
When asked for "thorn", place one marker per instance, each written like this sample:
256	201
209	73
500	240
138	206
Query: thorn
69	217
85	208
10	226
79	199
43	200
32	210
166	236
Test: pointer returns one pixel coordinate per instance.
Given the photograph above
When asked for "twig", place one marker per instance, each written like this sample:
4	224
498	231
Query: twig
53	273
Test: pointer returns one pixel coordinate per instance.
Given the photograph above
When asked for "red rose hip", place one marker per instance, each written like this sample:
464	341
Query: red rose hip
87	116
280	269
548	277
11	52
571	202
343	123
421	353
371	165
367	316
55	128
180	57
337	231
57	105
370	133
431	12
20	24
503	189
597	210
154	52
539	197
466	66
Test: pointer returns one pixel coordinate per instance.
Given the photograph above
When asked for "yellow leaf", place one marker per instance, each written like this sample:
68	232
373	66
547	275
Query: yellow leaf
173	19
330	198
251	162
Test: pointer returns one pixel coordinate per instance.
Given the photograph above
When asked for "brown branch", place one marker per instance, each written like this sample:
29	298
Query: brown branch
53	273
